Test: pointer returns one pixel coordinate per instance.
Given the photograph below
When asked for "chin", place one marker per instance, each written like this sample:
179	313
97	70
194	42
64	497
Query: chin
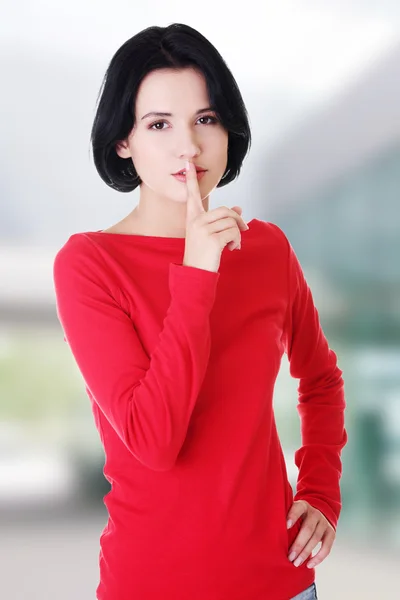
182	196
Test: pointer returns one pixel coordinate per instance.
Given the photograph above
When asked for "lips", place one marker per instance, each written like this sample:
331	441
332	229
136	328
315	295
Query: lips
182	176
183	171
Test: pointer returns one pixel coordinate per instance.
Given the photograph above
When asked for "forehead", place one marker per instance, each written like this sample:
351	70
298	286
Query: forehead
165	89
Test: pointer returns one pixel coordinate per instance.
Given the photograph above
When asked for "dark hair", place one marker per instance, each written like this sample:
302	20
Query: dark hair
176	46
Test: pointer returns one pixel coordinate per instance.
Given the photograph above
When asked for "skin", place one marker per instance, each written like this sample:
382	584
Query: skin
158	151
315	528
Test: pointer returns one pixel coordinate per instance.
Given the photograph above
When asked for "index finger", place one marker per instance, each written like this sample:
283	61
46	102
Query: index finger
194	204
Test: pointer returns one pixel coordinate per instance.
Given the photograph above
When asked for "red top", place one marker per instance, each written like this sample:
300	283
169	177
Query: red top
180	364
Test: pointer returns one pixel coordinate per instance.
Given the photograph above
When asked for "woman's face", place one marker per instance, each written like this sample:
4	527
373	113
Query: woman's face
159	145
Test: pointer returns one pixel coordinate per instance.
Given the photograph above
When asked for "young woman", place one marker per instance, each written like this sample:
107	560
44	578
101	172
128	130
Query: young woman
179	339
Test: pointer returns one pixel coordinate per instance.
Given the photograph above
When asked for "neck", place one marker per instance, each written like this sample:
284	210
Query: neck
160	216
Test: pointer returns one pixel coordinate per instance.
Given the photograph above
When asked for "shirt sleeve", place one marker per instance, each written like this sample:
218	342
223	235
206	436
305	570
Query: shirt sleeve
148	400
321	401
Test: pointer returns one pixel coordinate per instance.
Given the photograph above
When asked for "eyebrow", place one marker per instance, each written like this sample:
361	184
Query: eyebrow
166	114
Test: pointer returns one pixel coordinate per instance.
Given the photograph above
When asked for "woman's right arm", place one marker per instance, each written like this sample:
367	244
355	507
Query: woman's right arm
147	400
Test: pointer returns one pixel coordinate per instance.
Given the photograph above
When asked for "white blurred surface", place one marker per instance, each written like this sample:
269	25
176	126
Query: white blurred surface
32	474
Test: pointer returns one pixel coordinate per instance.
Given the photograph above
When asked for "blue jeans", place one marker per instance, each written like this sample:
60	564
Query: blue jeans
309	594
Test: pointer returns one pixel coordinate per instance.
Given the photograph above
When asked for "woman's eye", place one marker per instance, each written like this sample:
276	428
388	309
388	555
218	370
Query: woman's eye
153	126
212	119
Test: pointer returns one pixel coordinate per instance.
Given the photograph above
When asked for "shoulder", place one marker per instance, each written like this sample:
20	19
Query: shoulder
77	253
77	244
271	235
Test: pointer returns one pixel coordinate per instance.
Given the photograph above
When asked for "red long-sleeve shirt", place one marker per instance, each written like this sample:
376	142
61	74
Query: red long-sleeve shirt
179	364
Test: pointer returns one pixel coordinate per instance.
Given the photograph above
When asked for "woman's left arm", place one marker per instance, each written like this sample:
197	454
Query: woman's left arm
321	406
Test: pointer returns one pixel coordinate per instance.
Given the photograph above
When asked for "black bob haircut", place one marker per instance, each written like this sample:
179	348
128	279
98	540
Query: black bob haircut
174	47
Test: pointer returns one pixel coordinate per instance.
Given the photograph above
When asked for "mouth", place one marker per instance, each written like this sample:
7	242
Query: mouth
183	171
181	175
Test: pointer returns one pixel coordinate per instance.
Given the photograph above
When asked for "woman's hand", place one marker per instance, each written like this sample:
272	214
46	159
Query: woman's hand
208	232
314	529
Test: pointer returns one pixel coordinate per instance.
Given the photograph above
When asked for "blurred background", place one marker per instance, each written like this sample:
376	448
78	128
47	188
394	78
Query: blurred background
321	81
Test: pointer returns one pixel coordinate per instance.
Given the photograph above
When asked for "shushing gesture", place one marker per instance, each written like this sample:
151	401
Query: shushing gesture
208	232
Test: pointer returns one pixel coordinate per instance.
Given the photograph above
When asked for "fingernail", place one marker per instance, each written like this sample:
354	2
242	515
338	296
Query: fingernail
289	523
292	556
310	565
187	165
298	561
247	227
238	247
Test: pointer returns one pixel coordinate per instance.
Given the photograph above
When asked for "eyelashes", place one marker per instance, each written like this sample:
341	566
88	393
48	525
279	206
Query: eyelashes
213	120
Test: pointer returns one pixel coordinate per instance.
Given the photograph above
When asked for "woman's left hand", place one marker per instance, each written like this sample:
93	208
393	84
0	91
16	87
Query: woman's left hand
314	529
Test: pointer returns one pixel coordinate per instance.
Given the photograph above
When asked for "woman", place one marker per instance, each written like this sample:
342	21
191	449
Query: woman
180	343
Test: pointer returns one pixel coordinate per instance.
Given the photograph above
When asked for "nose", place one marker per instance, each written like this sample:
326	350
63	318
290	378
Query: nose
187	146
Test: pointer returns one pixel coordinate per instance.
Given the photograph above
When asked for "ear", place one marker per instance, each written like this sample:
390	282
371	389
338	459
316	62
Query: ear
122	149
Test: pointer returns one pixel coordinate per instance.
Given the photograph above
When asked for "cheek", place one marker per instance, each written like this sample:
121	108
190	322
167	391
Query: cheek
146	154
218	146
220	158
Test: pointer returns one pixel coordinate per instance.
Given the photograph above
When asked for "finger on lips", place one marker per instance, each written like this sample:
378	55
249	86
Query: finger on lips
194	203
